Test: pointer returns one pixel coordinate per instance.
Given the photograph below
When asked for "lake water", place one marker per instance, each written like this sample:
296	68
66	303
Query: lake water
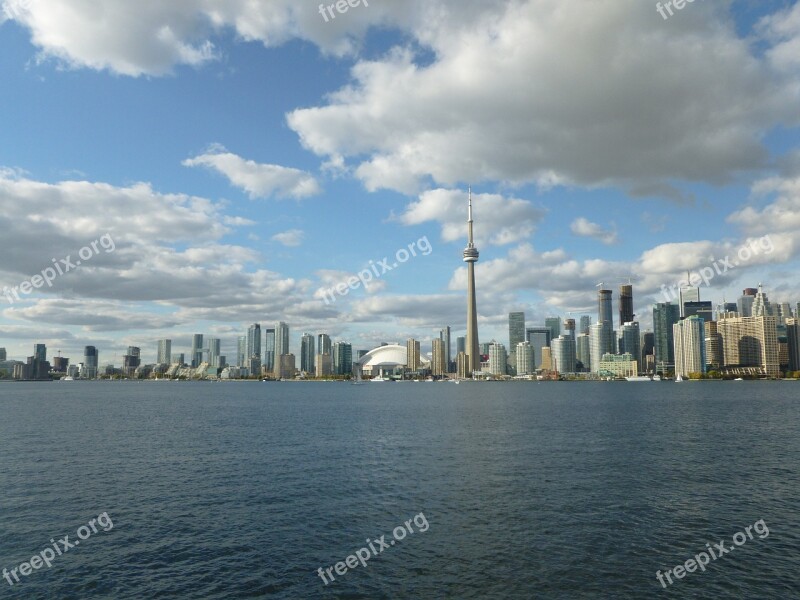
528	490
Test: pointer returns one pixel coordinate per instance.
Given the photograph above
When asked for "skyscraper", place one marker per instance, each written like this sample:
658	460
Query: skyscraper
539	337
585	323
90	358
461	344
438	362
745	303
324	366
750	342
569	328
761	304
164	352
583	351
713	345
648	346
342	358
524	355
197	349
604	308
269	349
40	352
254	341
630	341
498	359
307	353
444	335
563	354
625	305
241	351
665	315
471	255
793	338
516	329
690	346
324	343
214	352
554	325
281	339
412	354
601	341
688	293
704	310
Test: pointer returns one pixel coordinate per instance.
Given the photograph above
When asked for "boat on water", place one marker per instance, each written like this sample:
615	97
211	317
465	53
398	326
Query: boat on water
679	378
67	378
639	378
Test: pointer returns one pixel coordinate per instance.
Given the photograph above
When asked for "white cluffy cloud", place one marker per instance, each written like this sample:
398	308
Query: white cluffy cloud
585	228
290	238
257	179
502	220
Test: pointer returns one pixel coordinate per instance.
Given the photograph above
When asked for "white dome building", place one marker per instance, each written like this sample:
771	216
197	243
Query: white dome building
385	359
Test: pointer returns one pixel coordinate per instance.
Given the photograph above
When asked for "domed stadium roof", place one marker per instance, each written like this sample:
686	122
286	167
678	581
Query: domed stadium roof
392	354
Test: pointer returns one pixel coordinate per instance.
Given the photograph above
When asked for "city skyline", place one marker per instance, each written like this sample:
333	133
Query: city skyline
219	222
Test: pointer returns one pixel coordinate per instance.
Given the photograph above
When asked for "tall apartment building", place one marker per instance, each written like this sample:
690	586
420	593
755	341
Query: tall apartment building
750	342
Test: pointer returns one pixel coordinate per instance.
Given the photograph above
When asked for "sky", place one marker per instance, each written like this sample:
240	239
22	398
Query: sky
232	160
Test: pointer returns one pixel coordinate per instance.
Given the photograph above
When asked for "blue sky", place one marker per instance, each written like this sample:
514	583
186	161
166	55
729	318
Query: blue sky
245	155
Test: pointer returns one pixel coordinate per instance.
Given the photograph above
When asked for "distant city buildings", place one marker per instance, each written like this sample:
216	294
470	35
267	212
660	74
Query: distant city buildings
89	367
412	354
498	359
690	346
269	349
516	329
197	349
699	343
164	356
665	315
750	345
524	356
307	353
563	354
342	358
554	325
214	352
439	358
625	304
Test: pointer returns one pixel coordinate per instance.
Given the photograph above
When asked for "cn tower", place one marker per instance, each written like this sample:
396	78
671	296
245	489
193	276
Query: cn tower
471	257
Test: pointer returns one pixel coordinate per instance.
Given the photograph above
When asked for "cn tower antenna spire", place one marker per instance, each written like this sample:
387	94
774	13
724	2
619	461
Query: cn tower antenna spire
471	257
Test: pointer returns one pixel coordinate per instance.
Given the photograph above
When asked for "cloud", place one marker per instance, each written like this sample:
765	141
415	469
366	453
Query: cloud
156	259
585	228
781	31
781	214
258	180
291	238
602	115
502	220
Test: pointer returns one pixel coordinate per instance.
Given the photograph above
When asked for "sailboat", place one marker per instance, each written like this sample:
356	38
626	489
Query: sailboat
678	378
